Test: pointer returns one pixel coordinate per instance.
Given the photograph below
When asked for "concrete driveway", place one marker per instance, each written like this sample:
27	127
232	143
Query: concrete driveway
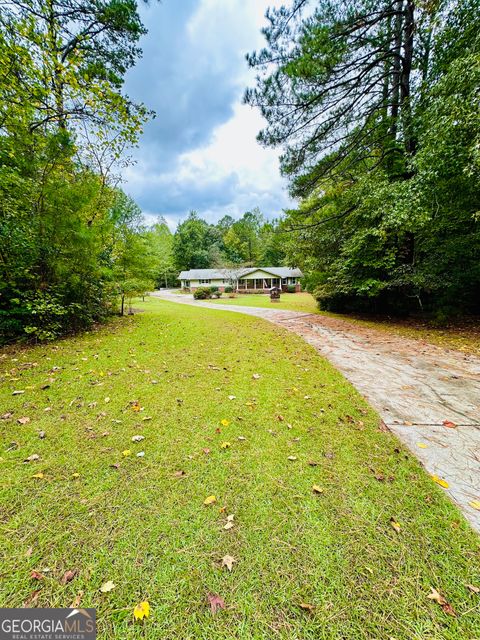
428	396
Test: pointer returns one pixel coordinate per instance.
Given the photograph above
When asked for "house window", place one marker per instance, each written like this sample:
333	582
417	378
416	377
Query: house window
204	281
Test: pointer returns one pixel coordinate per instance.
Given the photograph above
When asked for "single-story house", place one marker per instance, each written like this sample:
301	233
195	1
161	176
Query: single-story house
243	280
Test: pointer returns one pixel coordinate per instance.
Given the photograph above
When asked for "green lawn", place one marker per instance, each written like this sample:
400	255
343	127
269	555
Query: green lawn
304	301
148	530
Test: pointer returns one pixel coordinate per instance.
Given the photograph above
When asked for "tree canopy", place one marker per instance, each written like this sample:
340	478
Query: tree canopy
71	242
376	108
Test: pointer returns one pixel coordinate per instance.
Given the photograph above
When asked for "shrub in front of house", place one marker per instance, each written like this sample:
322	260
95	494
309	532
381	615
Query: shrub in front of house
291	288
229	289
202	293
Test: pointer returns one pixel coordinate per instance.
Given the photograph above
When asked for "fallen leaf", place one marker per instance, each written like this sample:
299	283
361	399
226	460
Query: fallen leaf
18	393
475	504
32	598
216	602
306	607
439	599
449	424
312	463
292	458
206	451
140	454
32	458
232	397
24	420
28	552
225	445
443	483
36	575
180	474
407	423
76	601
395	525
146	418
241	438
136	406
107	586
75	475
280	418
68	576
38	475
317	489
256	376
227	561
126	453
209	500
138	438
141	610
115	465
382	426
107	400
473	588
225	422
41	435
422	445
6	416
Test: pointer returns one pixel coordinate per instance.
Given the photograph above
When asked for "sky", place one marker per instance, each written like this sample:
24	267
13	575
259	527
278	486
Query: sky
200	152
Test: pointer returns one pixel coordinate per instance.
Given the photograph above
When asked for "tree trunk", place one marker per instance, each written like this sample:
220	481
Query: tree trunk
408	47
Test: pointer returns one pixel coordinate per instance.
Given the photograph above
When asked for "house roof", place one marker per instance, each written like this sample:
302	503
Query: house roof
221	274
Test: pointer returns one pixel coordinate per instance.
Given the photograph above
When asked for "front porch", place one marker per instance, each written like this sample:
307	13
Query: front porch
263	285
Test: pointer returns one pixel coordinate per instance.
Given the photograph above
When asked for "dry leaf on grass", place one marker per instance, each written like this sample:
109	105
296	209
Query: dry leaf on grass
180	474
38	475
138	438
68	576
141	610
225	445
292	458
126	453
317	489
395	525
107	586
76	601
36	575
227	561
209	500
306	607
23	420
32	458
473	588
439	599
225	422
256	376
216	602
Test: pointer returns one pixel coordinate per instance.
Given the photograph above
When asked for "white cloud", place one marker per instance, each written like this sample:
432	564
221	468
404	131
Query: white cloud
229	172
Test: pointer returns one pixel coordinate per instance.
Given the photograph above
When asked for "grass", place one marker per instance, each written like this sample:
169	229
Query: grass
149	532
304	301
462	335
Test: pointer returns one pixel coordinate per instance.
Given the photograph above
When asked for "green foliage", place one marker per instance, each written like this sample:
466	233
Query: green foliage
377	108
248	241
66	241
228	289
202	293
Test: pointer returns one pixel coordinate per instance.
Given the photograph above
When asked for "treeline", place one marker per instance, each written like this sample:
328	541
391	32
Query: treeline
72	244
376	104
249	241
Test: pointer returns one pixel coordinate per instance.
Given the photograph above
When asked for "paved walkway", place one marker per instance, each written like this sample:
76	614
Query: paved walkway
413	385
